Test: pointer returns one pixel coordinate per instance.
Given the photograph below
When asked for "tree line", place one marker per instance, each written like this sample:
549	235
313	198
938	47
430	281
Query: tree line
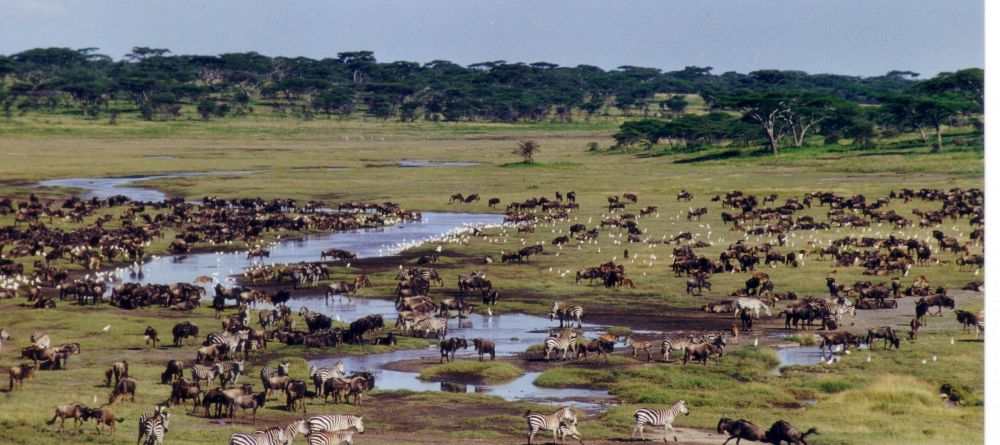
787	116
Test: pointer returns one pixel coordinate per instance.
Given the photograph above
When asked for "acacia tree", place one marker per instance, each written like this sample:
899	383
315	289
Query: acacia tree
806	111
938	109
527	150
770	111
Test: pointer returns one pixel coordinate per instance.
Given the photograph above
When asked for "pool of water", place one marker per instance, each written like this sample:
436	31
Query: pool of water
424	163
102	188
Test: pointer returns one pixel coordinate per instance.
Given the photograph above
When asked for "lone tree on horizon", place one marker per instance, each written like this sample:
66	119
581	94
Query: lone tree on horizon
527	150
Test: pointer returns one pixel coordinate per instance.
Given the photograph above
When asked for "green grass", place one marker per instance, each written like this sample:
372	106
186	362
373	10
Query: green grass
489	371
856	401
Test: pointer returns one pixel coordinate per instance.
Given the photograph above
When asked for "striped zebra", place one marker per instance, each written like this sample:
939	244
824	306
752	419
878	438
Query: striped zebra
675	344
233	341
548	422
268	371
840	307
754	304
566	312
319	376
657	417
568	430
204	372
291	429
335	422
152	426
272	436
229	372
636	345
561	343
334	438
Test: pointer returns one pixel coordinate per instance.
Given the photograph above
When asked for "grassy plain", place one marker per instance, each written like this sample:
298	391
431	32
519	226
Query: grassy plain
892	399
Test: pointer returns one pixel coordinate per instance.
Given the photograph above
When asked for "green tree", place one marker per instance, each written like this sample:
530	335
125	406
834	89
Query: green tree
770	111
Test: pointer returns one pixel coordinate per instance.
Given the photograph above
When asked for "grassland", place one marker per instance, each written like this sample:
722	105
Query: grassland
892	399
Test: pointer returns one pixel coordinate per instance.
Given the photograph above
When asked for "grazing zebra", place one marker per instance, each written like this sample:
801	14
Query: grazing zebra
319	376
636	345
335	422
675	344
548	422
153	426
229	372
840	307
203	372
272	436
334	438
657	417
754	304
561	343
568	430
268	372
566	312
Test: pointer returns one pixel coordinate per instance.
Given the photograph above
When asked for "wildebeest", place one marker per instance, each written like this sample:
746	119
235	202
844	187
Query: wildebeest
886	333
485	347
740	430
450	346
151	336
104	416
701	352
845	339
124	389
599	345
969	319
782	431
76	411
184	330
939	300
174	371
118	371
19	374
245	402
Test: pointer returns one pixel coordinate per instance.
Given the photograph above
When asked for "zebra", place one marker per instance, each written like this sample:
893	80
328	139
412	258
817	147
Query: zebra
203	372
754	304
568	430
675	344
548	422
319	376
840	307
332	423
657	417
268	372
229	372
153	426
233	341
636	345
561	343
291	429
566	312
272	436
334	438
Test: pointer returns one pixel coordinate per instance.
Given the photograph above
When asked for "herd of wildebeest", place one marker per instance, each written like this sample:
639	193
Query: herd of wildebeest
97	233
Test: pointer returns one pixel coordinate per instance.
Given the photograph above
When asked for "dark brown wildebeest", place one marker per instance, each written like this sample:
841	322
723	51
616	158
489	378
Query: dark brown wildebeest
782	431
76	411
184	390
886	333
151	336
450	346
598	345
471	198
456	197
493	202
921	310
740	430
295	393
184	330
118	371
124	388
968	319
746	320
845	339
105	416
939	300
173	372
19	374
701	352
245	402
485	347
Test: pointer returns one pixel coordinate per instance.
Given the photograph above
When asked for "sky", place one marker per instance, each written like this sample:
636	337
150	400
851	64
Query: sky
853	37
